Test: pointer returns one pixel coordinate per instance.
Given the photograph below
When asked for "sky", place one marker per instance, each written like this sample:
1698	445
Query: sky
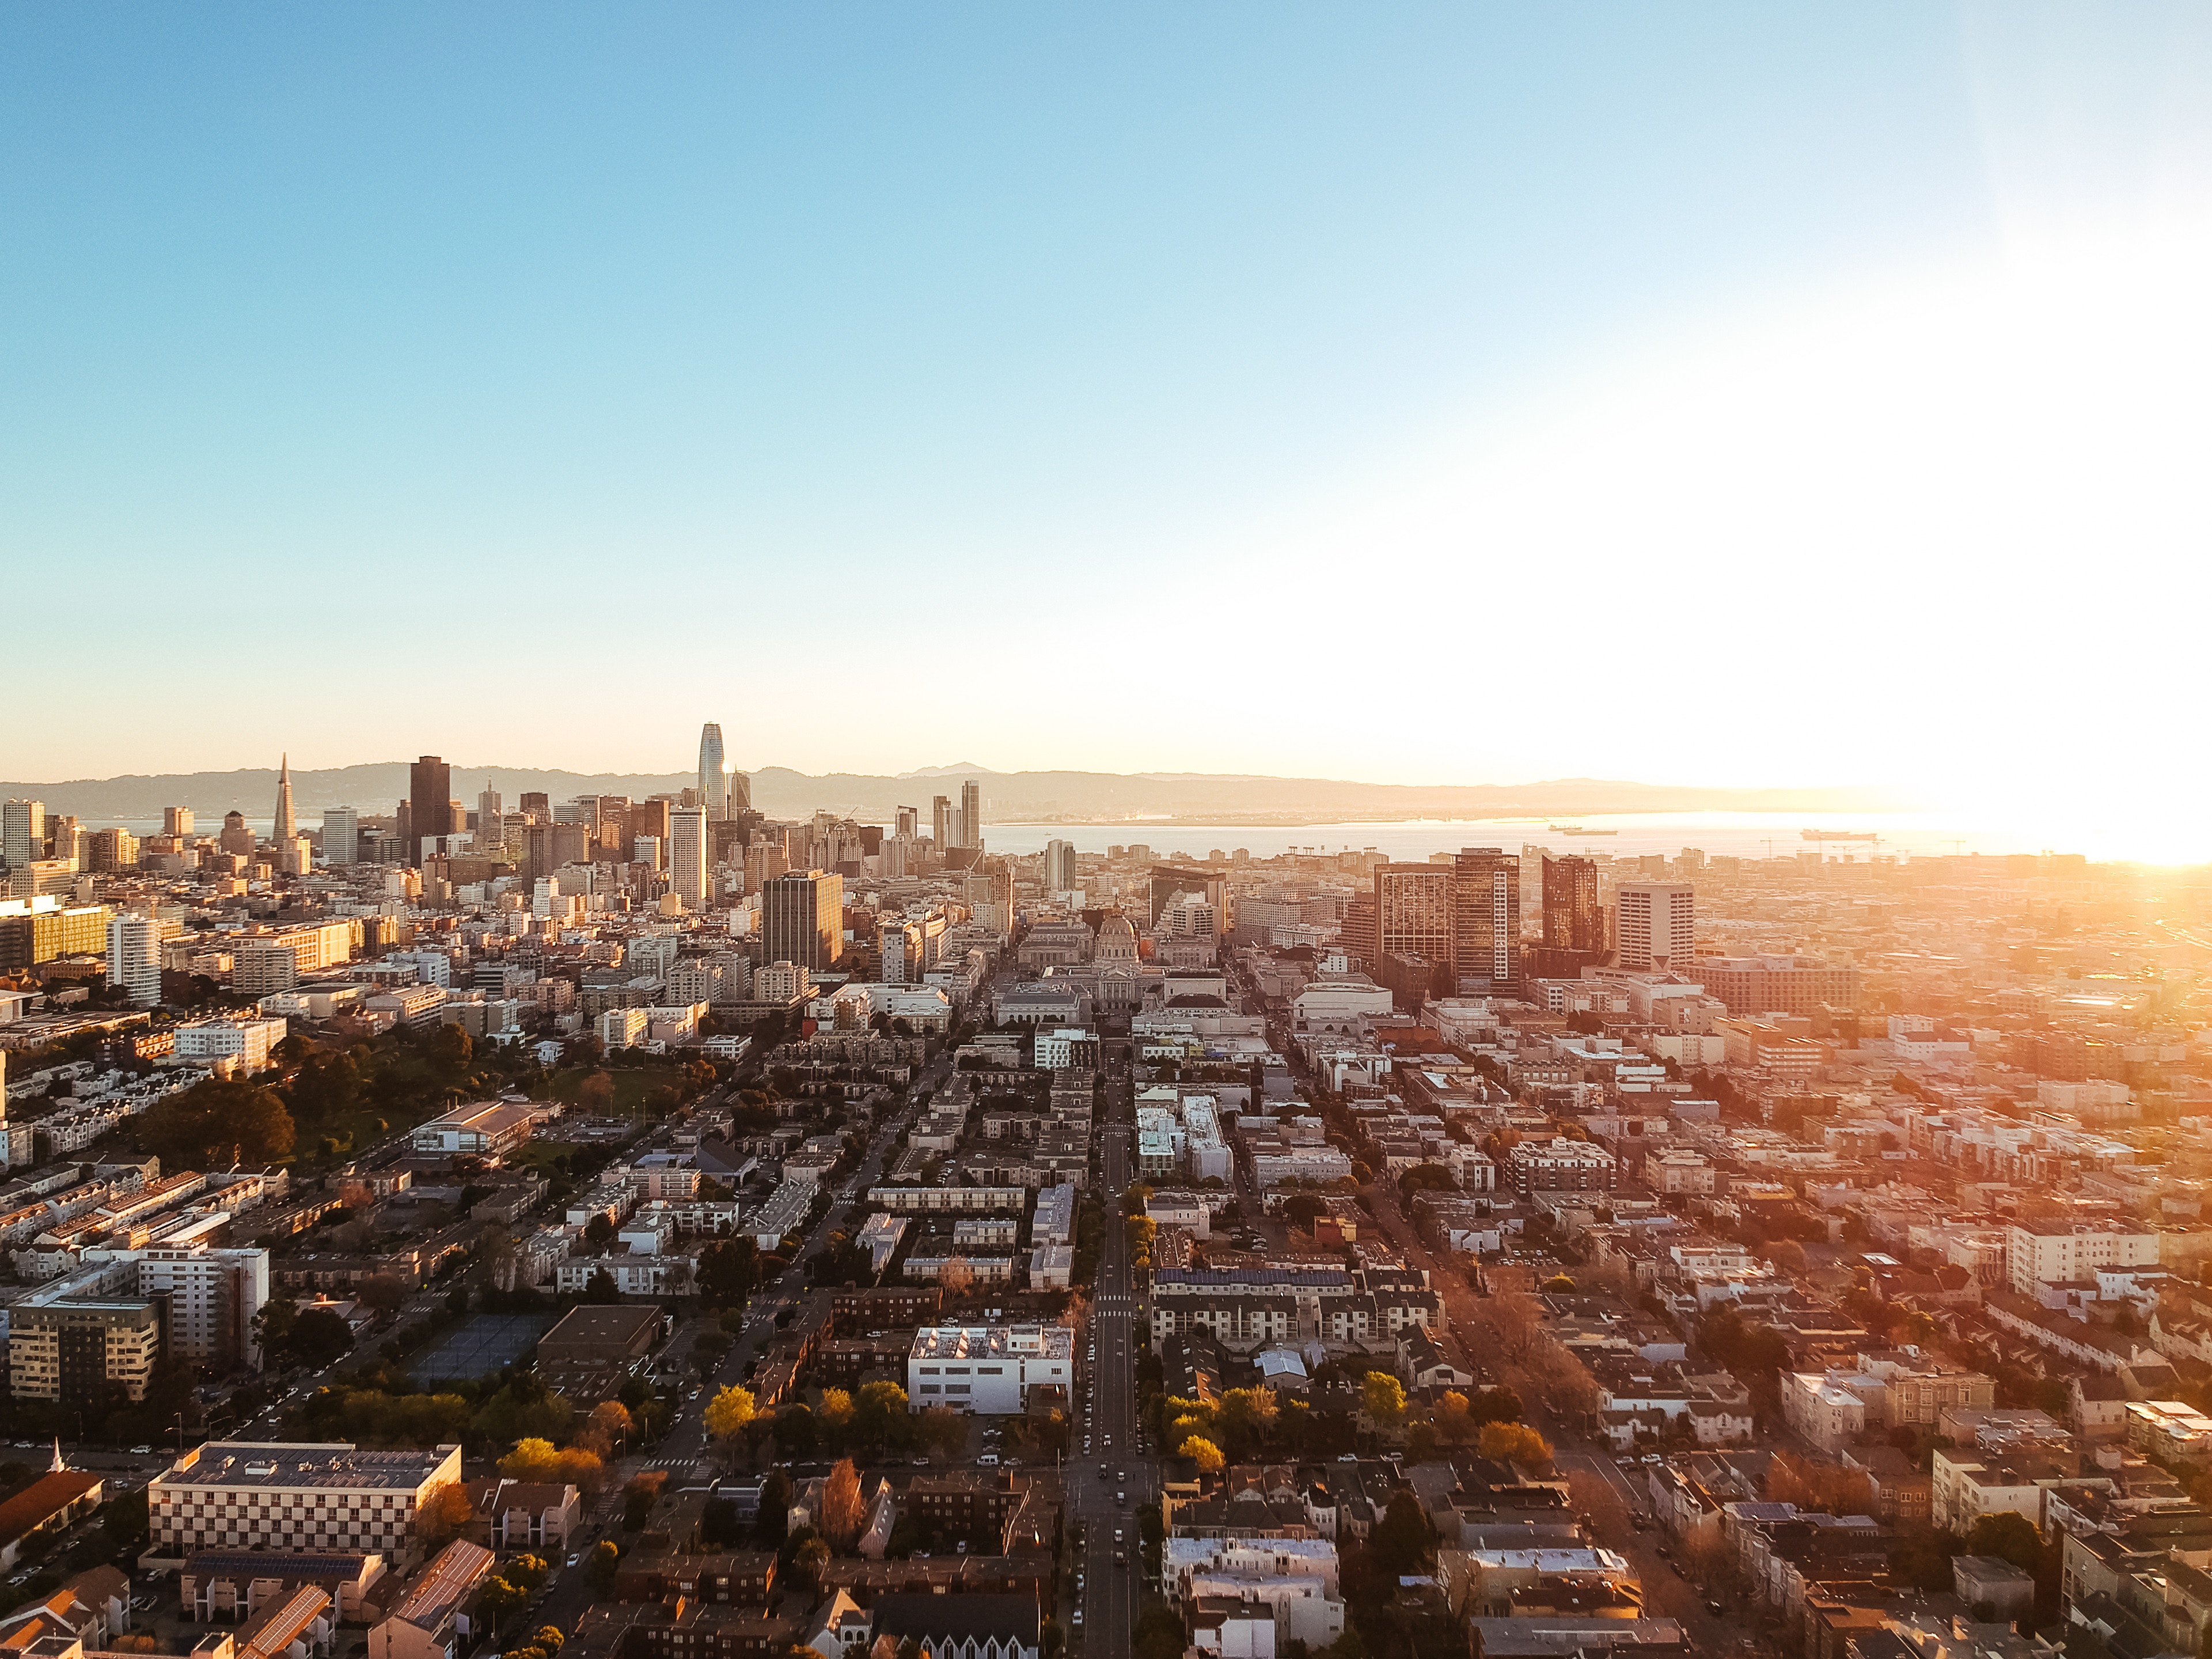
1727	395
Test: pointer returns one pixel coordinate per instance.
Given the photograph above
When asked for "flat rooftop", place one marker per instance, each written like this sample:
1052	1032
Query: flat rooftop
340	1467
992	1341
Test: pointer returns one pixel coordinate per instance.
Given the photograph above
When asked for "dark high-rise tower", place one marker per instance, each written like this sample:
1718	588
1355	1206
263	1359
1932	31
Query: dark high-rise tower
429	794
1486	917
286	826
1573	918
803	919
971	814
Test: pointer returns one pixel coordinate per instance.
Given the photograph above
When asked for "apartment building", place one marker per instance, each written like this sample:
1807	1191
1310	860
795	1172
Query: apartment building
989	1369
276	1495
245	1043
2039	1253
1560	1165
63	1350
210	1298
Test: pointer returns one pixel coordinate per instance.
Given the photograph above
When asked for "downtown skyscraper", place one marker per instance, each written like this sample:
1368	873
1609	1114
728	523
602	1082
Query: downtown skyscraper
688	854
286	826
712	787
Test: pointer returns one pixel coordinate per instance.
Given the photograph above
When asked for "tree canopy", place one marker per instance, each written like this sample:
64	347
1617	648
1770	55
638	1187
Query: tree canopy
729	1411
216	1124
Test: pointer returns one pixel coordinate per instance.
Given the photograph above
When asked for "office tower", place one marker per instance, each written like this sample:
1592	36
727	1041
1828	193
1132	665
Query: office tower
803	919
686	854
940	821
134	958
176	821
1573	918
429	791
614	823
1657	928
1356	932
489	811
1486	917
738	791
113	850
537	803
22	832
1059	865
764	861
907	822
971	814
236	839
899	949
1414	917
286	828
341	835
710	769
646	818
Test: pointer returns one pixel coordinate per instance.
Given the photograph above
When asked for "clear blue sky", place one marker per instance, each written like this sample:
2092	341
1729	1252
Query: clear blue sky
532	382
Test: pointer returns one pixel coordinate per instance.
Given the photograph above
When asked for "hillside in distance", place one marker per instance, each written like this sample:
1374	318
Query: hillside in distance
1008	797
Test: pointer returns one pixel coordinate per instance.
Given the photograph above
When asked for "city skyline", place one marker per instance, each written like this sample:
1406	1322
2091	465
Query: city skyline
1280	831
1870	386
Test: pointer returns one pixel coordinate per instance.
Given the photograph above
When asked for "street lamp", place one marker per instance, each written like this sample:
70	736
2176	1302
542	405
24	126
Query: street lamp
180	1434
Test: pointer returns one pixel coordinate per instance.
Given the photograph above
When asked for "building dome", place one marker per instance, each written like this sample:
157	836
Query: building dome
1117	939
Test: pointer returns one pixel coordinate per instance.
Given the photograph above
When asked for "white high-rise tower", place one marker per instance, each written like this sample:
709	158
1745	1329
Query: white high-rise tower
688	854
1656	929
134	958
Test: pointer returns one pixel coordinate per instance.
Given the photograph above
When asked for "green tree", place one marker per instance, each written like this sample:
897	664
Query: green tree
728	1412
1513	1443
729	1271
500	1596
1304	1209
1383	1397
798	1431
807	1562
2009	1537
319	1338
1202	1452
216	1123
1403	1541
880	1414
1158	1634
600	1289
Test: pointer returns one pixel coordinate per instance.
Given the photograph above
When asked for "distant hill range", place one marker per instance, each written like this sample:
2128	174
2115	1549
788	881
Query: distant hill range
1070	797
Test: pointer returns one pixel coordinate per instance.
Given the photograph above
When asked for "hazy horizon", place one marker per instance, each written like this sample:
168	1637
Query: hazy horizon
1739	397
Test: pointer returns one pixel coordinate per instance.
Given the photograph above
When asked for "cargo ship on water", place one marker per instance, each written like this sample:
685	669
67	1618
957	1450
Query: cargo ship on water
1577	829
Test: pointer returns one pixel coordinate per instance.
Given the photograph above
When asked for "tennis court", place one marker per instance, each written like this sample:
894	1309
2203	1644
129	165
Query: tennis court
484	1343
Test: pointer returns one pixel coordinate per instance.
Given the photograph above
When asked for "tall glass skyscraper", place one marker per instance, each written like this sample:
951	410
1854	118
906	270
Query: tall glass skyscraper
710	771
